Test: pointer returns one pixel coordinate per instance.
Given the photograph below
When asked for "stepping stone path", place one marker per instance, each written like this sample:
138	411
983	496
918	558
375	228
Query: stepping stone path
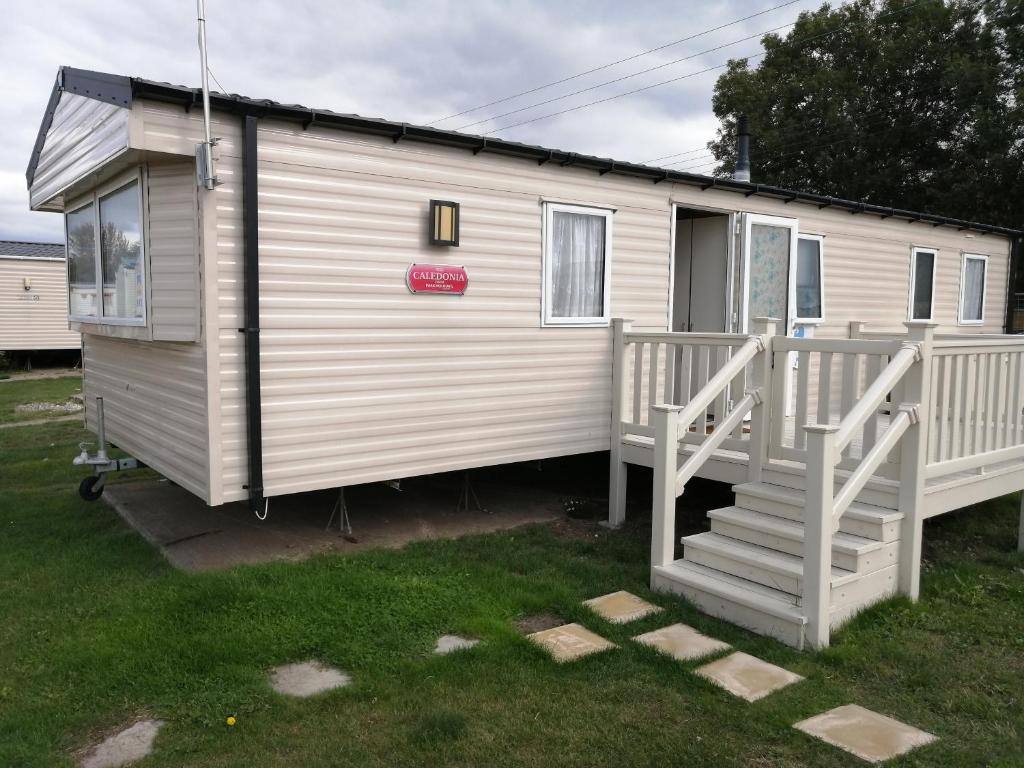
621	607
131	744
570	642
682	642
868	735
450	643
746	676
307	678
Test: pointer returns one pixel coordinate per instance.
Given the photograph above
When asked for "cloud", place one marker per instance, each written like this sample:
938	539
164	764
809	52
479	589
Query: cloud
402	60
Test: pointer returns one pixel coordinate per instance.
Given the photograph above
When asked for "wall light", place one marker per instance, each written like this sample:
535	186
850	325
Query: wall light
26	283
444	223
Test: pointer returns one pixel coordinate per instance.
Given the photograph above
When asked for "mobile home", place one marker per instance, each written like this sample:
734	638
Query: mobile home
34	298
359	300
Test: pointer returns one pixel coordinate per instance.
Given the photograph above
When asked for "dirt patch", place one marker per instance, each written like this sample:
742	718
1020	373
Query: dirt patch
538	622
576	530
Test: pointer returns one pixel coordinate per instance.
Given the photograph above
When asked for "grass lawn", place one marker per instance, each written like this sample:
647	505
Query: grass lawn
97	629
14	393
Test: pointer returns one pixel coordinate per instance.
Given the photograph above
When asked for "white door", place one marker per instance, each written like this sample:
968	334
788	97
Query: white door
769	290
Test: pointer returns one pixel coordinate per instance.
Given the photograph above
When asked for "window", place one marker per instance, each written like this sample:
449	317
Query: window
972	289
922	283
577	255
106	265
809	279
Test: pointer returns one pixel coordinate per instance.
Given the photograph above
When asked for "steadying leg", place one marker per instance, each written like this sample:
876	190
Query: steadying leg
467	496
341	510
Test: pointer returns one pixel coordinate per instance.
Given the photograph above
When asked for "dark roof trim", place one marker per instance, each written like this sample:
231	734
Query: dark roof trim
22	249
240	105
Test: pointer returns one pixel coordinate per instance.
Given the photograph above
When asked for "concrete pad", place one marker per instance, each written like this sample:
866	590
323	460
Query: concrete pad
125	747
570	642
450	643
621	607
747	677
868	735
307	678
682	642
195	537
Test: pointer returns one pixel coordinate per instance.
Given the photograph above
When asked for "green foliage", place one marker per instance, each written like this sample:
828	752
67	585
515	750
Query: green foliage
917	104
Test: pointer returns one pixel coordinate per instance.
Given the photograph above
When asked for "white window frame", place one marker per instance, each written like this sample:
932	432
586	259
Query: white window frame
820	240
914	251
546	317
93	198
961	320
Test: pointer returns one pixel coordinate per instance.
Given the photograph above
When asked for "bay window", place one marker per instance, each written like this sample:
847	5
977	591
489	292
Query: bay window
577	257
106	262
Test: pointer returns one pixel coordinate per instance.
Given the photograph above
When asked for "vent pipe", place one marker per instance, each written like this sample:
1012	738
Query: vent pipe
742	172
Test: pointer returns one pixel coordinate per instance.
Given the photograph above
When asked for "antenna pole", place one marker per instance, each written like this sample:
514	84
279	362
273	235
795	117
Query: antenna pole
209	180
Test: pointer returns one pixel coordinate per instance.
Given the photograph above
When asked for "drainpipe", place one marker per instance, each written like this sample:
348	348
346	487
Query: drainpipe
251	270
742	172
1012	278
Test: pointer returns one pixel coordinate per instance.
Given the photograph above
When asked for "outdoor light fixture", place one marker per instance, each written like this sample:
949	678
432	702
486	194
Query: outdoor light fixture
444	222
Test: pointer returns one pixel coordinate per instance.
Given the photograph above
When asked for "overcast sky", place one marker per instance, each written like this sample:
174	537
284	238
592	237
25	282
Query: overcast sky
411	61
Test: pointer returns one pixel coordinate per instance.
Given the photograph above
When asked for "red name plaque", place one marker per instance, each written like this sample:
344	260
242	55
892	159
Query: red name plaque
437	278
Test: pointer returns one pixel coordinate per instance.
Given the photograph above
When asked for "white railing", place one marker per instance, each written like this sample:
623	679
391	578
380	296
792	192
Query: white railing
977	395
907	374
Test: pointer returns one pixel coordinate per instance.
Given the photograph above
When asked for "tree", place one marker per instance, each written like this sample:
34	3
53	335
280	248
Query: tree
913	104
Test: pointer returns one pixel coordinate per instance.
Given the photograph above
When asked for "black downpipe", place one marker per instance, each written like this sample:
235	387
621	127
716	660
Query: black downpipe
1014	281
251	269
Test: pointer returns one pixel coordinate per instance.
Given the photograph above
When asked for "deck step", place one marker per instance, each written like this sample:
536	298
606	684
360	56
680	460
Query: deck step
758	608
769	567
849	552
879	491
866	520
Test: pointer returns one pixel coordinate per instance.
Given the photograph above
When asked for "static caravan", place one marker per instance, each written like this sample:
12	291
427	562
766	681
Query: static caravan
353	300
34	298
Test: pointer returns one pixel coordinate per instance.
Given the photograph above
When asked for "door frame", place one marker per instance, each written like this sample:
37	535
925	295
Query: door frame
729	312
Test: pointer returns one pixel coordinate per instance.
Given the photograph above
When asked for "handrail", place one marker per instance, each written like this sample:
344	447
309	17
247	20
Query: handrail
873	460
875	395
689	339
718	382
716	438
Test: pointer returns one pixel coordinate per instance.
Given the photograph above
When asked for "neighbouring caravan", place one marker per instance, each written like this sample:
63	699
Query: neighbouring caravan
361	300
34	298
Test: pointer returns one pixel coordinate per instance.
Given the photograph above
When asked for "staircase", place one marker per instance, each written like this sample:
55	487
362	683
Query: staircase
748	569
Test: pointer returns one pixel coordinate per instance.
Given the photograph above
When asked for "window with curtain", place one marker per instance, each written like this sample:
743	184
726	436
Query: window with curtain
576	257
922	287
809	270
972	290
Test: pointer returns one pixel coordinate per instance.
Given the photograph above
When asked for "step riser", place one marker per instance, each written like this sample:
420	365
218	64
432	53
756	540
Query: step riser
723	608
865	591
778	508
862	563
875	496
844	613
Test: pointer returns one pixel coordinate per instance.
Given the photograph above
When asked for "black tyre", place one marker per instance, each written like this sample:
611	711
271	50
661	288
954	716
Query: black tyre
87	488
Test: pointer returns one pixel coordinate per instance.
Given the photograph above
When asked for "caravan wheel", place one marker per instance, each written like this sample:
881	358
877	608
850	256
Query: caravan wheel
87	488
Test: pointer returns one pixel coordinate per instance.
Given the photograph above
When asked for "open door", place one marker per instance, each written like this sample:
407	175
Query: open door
769	289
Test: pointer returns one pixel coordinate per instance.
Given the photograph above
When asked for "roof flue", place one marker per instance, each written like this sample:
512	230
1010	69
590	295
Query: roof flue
742	172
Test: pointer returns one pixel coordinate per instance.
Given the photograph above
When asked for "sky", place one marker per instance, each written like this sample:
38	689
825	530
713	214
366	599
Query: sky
406	61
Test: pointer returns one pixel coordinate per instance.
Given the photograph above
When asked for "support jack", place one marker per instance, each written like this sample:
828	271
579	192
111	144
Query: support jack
91	488
468	500
344	524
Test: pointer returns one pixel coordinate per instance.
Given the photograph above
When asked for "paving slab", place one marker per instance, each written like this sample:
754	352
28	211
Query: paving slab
746	676
868	735
307	678
450	643
124	747
682	642
570	642
621	607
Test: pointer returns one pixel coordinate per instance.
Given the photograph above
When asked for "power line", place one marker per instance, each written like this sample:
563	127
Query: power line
614	63
904	9
625	77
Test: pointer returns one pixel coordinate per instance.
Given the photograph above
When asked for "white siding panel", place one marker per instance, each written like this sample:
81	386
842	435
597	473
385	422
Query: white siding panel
154	397
83	135
173	250
37	318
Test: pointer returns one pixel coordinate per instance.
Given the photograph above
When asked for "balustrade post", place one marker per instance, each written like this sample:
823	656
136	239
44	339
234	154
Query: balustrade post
818	529
857	329
663	510
620	405
761	415
913	457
